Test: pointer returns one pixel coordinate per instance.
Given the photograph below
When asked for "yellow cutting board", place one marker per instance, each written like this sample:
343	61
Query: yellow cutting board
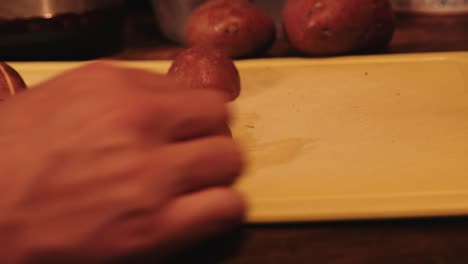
346	138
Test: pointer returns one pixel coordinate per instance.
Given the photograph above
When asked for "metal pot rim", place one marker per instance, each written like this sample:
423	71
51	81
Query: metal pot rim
24	9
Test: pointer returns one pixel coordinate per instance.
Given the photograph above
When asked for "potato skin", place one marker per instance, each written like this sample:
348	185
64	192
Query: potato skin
236	27
205	68
11	82
380	35
333	27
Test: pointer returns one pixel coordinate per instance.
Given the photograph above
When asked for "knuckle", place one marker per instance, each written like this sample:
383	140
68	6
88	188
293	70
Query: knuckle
136	178
133	111
135	191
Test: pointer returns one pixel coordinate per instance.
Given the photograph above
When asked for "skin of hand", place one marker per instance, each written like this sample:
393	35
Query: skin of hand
104	162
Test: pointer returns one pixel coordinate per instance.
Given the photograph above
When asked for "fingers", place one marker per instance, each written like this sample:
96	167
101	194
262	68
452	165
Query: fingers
190	113
178	225
152	104
144	79
194	113
203	215
178	112
202	163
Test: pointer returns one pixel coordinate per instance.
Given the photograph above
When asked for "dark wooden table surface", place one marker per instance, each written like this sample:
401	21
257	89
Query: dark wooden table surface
435	241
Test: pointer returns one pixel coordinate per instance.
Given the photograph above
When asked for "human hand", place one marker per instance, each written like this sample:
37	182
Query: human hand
103	162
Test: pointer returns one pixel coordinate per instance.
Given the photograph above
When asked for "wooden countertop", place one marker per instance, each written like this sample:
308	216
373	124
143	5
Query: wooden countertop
421	241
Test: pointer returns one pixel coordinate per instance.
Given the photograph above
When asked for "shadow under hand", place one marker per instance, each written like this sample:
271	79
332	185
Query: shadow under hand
213	251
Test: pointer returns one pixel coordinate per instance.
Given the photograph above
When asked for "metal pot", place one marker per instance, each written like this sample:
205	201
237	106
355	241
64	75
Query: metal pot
171	15
21	9
59	29
431	7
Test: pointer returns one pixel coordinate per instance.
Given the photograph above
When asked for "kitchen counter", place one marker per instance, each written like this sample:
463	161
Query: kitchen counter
419	241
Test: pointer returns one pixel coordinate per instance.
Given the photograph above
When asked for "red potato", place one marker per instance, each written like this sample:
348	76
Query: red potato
236	27
204	68
381	34
332	27
11	82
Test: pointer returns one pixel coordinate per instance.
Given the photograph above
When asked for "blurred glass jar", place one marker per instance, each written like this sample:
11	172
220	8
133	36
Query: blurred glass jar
59	29
171	15
431	6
